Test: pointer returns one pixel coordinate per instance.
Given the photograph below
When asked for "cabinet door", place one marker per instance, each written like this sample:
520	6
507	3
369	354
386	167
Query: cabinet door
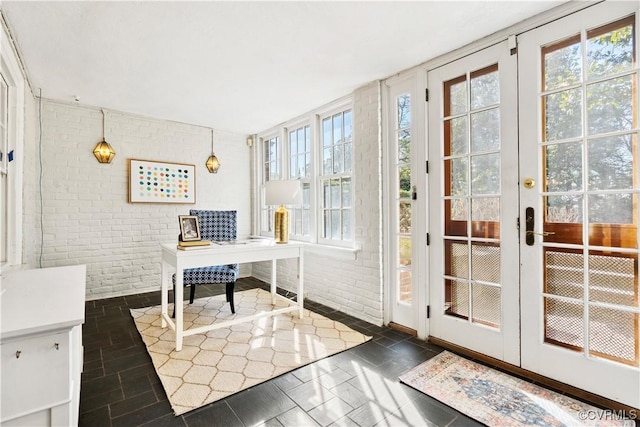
35	374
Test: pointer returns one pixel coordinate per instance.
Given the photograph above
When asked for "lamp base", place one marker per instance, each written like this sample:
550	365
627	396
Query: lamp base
281	226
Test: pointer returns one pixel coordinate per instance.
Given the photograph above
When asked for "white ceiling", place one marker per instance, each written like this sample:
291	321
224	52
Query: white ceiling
237	65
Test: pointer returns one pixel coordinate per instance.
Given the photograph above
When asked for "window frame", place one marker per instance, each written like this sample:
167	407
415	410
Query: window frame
287	154
14	77
266	213
321	177
313	120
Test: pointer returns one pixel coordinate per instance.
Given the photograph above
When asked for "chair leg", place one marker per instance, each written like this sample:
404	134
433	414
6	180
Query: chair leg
173	315
230	296
192	293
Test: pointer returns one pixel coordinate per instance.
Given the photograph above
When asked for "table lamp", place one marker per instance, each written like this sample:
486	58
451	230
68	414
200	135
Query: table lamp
282	192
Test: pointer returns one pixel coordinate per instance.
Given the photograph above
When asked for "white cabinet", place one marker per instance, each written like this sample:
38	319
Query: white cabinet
41	346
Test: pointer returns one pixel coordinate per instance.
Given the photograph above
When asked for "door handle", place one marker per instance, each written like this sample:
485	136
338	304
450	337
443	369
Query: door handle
529	223
530	234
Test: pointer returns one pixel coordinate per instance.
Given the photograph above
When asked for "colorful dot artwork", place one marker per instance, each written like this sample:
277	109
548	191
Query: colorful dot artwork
162	182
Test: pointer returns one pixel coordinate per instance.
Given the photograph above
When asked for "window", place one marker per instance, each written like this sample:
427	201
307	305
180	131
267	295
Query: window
335	177
300	168
271	171
316	149
4	141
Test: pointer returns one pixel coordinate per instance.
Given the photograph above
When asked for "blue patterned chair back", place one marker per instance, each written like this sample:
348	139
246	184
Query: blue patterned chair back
217	225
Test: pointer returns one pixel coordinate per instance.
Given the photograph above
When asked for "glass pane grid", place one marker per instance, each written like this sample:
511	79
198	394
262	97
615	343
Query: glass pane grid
457	298
613	335
612	280
564	323
485	263
486	305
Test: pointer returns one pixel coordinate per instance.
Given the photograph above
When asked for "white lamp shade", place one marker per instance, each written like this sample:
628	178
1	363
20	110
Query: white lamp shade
283	192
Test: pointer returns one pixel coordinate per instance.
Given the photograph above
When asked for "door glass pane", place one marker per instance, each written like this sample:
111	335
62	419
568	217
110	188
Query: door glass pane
611	162
456	298
485	88
486	305
485	174
562	64
485	263
404	181
457	99
610	49
458	212
564	209
458	134
404	146
405	292
404	217
612	208
485	130
564	274
563	323
458	177
486	209
404	111
458	263
404	251
563	115
610	105
611	334
563	167
612	278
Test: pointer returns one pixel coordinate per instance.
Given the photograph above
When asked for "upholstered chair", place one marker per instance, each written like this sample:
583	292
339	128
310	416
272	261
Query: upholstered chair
214	226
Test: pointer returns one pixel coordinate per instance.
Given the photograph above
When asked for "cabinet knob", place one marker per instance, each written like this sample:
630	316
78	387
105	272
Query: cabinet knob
18	353
57	346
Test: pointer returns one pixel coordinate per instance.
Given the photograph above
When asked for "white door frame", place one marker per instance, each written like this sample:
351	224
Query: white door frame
416	319
612	380
503	344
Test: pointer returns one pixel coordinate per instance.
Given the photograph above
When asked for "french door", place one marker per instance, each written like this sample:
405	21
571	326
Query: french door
403	152
473	174
579	200
534	259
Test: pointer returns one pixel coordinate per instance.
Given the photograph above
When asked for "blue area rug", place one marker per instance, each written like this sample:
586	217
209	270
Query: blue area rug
497	399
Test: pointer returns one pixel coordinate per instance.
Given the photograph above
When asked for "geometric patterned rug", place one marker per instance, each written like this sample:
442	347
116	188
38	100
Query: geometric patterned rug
497	399
218	363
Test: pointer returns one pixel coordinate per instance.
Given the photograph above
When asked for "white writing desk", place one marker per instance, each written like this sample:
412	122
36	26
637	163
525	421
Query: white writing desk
175	260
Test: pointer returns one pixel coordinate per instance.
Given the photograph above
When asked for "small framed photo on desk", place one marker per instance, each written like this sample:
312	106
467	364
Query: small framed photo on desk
189	228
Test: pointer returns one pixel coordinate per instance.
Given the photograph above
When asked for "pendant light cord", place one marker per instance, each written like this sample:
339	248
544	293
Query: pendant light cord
40	179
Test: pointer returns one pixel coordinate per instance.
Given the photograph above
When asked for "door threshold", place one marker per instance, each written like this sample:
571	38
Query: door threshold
538	379
403	328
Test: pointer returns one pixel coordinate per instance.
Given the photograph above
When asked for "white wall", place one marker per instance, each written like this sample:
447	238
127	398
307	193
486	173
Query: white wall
351	286
86	216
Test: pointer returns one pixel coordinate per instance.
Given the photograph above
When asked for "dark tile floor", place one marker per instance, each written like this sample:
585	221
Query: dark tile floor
358	387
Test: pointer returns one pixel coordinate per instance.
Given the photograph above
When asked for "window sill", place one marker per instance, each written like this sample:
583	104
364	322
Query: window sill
332	251
338	252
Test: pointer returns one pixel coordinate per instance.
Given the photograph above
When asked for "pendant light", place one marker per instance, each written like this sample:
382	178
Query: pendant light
212	162
103	151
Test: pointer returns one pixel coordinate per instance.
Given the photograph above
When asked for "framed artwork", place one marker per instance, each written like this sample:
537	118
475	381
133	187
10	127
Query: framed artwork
161	182
189	228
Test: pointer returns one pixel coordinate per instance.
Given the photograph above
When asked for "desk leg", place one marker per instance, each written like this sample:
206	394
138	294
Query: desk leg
177	300
301	283
274	265
164	292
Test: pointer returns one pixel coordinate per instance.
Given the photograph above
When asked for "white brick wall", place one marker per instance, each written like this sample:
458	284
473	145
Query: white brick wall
353	287
87	219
